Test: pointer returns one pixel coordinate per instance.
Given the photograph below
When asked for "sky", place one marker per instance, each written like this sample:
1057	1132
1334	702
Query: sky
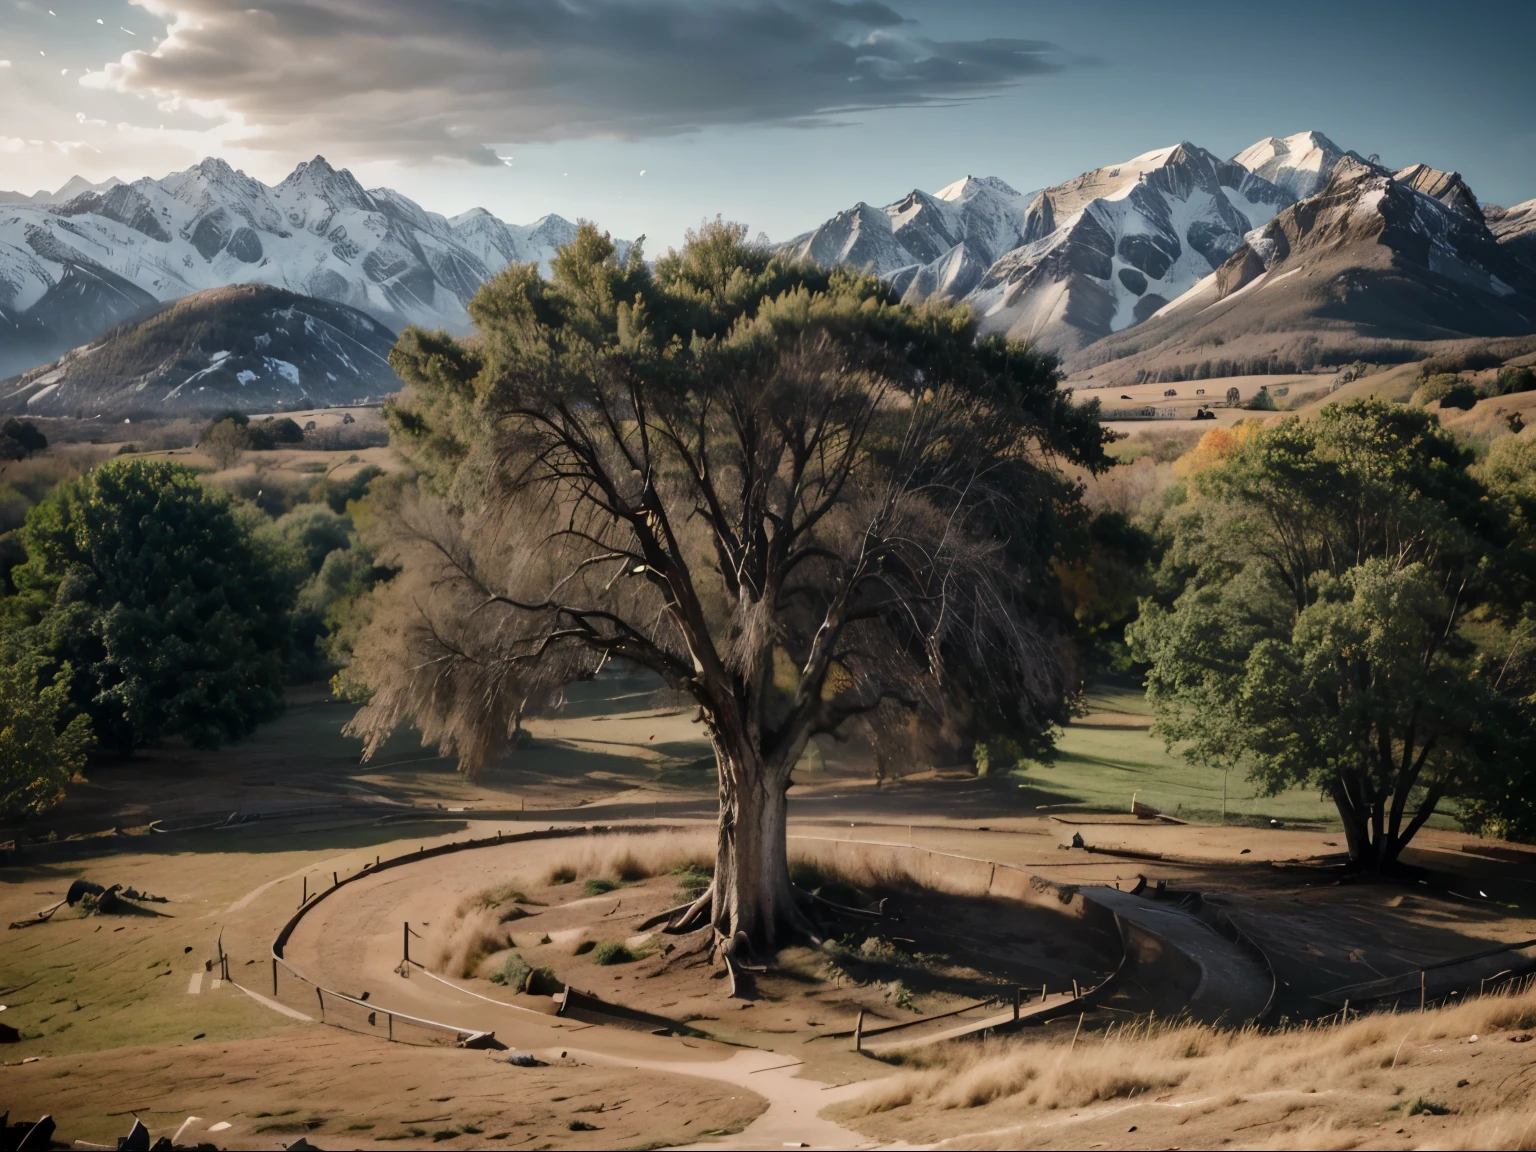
648	116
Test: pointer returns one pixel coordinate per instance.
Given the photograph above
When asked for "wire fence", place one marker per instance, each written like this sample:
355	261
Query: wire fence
298	993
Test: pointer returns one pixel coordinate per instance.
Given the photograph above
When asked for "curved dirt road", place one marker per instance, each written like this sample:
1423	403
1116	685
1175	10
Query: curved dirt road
351	942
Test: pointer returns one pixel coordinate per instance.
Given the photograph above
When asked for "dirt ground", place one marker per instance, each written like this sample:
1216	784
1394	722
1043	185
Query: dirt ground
123	1013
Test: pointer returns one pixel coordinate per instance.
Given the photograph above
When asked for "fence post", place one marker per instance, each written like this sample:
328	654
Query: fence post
391	1016
274	977
320	996
305	899
858	1032
1016	999
334	881
1421	990
406	936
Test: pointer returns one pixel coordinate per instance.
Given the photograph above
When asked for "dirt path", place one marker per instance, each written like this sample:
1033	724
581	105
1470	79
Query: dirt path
351	942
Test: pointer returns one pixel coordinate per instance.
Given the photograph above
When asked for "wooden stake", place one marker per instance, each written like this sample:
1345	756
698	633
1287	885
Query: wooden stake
1080	1016
1421	990
858	1033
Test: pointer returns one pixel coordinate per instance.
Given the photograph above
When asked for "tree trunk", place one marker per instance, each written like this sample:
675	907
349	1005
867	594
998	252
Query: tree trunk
753	895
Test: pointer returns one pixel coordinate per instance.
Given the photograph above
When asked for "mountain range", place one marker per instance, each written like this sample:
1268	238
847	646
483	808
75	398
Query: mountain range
1294	251
1119	249
70	268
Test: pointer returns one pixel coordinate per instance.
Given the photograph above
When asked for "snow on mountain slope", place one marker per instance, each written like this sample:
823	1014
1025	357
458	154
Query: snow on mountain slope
1066	265
318	233
923	244
250	347
1110	247
1374	256
1301	164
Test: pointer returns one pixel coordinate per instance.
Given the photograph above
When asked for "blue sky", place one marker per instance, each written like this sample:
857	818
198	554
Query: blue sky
774	113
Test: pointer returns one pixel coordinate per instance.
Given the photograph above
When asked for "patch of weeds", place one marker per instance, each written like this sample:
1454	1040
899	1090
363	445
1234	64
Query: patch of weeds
470	1130
611	953
513	973
903	997
359	1127
562	876
1425	1106
444	1134
692	880
582	1126
599	885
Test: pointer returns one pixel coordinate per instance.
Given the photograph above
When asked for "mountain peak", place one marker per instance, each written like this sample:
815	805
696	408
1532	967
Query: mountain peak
1301	163
968	186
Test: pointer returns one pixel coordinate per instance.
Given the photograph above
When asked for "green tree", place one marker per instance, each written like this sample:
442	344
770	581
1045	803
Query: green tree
1346	588
39	751
793	498
226	441
169	611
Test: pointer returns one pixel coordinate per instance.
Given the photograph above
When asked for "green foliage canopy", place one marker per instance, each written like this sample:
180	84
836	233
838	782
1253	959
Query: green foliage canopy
1347	590
40	750
165	611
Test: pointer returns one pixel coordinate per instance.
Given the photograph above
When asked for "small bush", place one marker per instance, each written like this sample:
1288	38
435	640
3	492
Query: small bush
599	885
513	974
562	875
611	953
1425	1106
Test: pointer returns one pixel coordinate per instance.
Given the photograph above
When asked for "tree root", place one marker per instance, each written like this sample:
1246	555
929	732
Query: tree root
693	916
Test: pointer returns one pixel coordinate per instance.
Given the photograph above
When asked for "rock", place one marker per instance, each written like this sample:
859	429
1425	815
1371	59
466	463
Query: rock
525	1060
137	1139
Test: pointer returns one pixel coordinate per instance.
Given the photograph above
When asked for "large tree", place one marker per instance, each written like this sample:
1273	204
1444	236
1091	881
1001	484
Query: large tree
798	501
1342	621
168	611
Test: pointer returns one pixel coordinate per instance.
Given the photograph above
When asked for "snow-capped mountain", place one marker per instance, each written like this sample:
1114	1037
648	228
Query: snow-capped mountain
250	347
1374	256
1301	164
1107	249
1099	254
925	245
318	233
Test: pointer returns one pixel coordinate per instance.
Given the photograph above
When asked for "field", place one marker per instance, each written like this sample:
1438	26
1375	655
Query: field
135	1013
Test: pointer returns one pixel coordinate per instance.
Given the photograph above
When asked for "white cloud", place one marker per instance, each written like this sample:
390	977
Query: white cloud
398	79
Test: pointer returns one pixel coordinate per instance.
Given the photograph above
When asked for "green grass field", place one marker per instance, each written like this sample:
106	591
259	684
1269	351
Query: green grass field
1109	755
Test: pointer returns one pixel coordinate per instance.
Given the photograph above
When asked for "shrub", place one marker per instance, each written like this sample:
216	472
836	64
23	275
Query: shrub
600	884
611	953
513	974
20	439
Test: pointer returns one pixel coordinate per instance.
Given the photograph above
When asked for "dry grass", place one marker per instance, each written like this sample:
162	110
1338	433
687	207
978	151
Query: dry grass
1292	1070
457	945
627	857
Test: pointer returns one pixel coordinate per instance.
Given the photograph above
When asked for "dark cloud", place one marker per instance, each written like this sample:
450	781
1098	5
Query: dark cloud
412	80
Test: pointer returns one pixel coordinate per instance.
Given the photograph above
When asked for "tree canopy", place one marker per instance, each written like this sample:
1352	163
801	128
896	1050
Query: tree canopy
41	750
797	500
154	599
1346	613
